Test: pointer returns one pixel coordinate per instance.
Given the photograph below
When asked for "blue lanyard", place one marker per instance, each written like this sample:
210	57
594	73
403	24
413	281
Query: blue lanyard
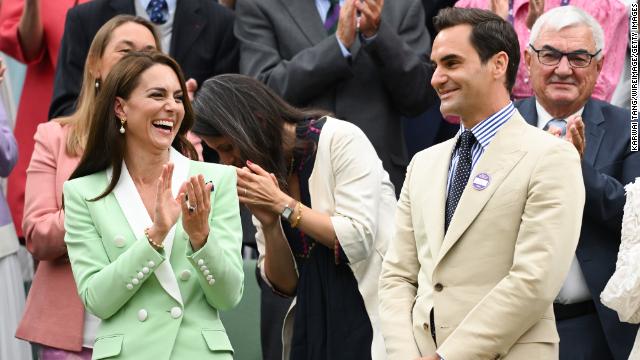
510	17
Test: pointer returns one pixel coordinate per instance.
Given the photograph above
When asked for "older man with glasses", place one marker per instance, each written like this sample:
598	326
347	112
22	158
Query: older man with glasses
564	59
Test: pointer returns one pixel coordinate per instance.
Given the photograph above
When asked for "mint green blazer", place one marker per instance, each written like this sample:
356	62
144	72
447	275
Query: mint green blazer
154	305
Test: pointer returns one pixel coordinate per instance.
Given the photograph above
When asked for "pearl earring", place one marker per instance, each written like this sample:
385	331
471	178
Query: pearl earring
122	122
97	84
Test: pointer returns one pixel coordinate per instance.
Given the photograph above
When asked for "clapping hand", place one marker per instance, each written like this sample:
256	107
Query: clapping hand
371	14
346	30
555	131
536	8
167	208
195	201
575	134
192	87
500	8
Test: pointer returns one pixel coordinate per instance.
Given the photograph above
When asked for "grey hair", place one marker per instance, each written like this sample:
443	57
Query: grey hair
568	16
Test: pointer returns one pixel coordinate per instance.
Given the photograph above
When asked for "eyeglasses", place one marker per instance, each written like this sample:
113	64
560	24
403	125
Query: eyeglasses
551	57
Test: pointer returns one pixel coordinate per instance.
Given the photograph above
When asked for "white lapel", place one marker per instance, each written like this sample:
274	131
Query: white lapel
136	214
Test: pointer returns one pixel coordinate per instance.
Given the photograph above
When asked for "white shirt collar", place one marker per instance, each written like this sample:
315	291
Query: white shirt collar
544	116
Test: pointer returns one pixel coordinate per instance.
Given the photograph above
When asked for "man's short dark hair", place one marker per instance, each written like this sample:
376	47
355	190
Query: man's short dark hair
490	34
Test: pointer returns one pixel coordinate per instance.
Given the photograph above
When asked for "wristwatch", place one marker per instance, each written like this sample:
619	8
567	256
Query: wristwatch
286	212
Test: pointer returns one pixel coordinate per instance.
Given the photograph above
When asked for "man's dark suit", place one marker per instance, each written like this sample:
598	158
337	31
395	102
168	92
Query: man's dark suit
284	44
202	43
607	166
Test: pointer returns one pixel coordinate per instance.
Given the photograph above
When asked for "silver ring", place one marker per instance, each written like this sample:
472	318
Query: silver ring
245	192
192	209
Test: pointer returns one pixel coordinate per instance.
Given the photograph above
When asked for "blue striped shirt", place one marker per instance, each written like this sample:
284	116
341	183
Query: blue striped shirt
484	132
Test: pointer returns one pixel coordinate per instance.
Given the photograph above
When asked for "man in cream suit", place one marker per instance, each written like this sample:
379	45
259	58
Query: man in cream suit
487	222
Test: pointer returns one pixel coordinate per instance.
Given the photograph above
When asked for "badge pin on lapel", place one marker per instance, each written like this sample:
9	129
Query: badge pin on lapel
481	181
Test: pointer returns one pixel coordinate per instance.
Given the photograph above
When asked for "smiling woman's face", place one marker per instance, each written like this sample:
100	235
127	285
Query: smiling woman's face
127	37
154	110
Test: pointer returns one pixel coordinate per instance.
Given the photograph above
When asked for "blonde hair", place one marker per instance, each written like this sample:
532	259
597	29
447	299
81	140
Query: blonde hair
80	119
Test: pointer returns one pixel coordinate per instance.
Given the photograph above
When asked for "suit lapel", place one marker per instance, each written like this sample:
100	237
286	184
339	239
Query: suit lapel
188	23
593	121
136	214
305	14
527	109
591	115
499	158
435	194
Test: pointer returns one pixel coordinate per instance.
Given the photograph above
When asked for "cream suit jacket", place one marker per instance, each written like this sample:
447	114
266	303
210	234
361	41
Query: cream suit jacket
492	277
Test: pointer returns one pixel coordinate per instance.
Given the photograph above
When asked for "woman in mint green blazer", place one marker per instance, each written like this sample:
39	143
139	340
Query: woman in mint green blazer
154	246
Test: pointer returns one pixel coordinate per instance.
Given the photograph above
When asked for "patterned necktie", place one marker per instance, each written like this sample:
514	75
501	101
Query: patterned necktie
157	10
460	177
559	123
333	15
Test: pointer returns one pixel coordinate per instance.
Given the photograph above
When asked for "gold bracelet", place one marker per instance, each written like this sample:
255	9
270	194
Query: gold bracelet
296	221
153	243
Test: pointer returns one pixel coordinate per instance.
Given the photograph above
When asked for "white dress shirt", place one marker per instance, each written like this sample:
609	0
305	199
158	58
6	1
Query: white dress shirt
574	289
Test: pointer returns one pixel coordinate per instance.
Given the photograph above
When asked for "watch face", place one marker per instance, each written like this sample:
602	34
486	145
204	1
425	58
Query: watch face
286	213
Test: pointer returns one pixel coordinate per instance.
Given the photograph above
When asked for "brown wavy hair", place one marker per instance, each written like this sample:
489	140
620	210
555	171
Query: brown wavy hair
105	144
253	117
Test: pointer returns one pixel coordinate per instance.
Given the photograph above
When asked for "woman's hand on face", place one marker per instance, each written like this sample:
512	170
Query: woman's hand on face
167	208
195	198
259	191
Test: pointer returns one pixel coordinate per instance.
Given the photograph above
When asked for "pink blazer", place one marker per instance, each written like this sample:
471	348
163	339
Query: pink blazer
54	315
